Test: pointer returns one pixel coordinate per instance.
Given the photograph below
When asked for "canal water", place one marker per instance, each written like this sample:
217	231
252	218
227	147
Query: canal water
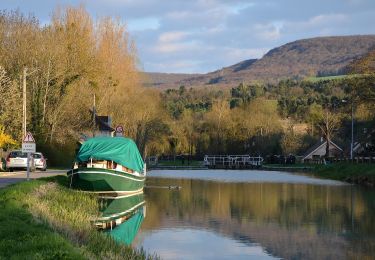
218	214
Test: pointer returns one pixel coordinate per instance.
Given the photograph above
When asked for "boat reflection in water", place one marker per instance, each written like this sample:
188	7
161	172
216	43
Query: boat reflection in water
122	216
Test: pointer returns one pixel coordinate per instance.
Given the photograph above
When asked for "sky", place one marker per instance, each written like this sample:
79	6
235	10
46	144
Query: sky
199	36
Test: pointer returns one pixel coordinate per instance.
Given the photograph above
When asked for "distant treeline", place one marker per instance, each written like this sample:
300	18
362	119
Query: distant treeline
267	119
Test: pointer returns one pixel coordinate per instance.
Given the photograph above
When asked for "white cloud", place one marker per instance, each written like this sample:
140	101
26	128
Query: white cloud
172	243
180	66
326	19
175	47
204	35
267	32
236	54
320	24
172	36
236	9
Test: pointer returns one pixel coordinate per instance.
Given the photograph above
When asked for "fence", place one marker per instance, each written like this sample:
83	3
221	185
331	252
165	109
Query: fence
232	161
356	159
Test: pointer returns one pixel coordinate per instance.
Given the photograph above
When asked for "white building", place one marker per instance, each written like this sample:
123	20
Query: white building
318	151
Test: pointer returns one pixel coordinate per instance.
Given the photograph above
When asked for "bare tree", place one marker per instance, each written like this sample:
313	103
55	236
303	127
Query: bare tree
328	124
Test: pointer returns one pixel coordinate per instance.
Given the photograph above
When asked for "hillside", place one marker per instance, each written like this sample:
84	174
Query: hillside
363	65
322	56
164	80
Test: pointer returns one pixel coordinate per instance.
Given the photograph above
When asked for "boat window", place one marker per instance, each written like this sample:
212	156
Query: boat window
82	164
104	165
125	169
111	165
75	165
99	164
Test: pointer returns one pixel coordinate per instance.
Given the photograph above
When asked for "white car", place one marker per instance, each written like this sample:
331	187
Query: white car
18	160
40	161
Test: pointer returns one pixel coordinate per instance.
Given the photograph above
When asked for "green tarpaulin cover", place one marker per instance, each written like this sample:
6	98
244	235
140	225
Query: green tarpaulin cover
127	231
118	149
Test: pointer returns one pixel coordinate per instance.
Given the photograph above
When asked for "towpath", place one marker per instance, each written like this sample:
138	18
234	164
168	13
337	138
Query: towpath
7	178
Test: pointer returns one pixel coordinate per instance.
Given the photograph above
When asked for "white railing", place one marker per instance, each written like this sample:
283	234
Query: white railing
232	160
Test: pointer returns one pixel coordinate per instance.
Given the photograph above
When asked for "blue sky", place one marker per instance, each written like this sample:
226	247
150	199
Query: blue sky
198	36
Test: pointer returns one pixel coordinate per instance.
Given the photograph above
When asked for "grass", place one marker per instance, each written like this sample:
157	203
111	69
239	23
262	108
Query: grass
354	173
296	165
363	174
58	168
179	163
317	79
43	219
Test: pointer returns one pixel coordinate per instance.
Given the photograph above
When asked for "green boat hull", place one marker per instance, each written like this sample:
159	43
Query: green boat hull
105	181
118	211
118	207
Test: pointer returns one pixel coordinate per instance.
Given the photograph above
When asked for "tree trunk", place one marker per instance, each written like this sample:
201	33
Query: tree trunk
327	146
45	95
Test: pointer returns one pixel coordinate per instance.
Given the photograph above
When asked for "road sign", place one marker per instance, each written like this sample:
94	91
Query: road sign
28	138
28	144
119	130
28	147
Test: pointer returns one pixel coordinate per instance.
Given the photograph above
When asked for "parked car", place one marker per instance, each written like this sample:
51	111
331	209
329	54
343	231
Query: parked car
40	161
18	160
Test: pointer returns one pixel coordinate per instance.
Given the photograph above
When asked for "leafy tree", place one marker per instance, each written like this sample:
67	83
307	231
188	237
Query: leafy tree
243	94
6	140
290	142
10	105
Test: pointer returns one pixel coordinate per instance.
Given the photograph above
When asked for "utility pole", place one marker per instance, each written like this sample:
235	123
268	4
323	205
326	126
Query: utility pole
24	102
352	141
352	129
24	112
93	118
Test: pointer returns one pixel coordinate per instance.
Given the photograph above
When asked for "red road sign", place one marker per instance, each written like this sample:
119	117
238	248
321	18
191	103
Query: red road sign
119	129
28	138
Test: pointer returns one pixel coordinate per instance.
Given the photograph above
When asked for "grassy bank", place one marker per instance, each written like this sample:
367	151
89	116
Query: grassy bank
297	166
179	162
42	219
363	174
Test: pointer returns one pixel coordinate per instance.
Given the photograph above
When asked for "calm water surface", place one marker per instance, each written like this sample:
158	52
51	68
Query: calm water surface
255	215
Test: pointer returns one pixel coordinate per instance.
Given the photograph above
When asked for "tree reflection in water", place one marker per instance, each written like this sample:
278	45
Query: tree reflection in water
291	221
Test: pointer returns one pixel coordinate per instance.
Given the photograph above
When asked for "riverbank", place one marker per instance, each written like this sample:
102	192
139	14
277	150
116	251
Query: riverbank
287	167
362	174
44	219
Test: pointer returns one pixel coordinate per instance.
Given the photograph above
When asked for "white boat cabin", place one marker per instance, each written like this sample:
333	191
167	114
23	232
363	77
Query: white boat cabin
104	164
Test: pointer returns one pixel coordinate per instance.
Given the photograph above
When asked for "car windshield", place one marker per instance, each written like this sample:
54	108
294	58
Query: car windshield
37	155
15	154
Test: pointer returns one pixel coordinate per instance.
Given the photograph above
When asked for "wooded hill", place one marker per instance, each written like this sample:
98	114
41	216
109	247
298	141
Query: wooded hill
322	56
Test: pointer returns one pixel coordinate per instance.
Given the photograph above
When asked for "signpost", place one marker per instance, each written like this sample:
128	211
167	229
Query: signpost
119	130
28	146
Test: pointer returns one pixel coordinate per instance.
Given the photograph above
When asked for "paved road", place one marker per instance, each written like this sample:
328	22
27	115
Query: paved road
7	178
